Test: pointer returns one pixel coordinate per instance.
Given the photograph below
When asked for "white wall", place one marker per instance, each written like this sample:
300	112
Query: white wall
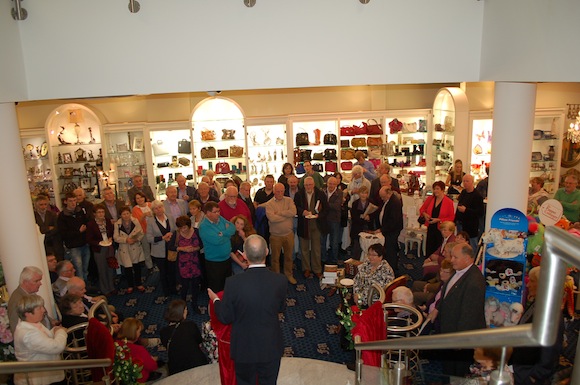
96	48
531	40
12	76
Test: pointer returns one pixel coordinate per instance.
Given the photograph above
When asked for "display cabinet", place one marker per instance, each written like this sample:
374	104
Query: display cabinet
481	124
125	156
309	134
74	138
449	132
267	149
407	135
546	147
170	154
37	163
219	138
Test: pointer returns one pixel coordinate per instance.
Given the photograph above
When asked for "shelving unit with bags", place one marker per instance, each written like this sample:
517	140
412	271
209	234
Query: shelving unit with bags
267	149
315	139
406	148
360	132
171	155
219	137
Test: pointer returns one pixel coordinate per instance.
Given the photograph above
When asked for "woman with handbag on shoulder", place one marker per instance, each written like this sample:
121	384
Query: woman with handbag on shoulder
160	228
187	245
128	234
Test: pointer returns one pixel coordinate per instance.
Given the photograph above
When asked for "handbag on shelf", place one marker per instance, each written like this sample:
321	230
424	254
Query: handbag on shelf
207	134
318	156
302	139
317	167
184	146
375	153
347	131
162	164
347	154
300	169
330	166
208	152
375	141
159	149
305	155
344	143
358	142
346	166
222	168
184	161
330	154
228	134
409	127
373	127
360	130
236	151
329	138
395	126
223	153
376	162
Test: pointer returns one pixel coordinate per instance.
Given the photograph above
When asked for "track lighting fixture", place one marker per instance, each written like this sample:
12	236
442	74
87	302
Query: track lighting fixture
364	1
134	6
18	13
249	3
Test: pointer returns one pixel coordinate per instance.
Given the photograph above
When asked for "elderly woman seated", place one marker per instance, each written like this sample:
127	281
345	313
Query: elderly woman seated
374	270
432	263
34	342
424	291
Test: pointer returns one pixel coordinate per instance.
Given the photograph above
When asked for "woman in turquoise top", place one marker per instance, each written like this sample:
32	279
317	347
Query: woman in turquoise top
215	233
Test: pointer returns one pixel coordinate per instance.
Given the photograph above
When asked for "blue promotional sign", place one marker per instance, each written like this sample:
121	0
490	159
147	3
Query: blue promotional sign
504	267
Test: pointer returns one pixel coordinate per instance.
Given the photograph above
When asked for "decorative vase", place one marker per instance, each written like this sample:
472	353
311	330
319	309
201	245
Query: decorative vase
551	152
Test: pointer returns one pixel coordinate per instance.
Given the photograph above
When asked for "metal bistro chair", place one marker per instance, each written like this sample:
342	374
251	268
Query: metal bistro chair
402	321
76	349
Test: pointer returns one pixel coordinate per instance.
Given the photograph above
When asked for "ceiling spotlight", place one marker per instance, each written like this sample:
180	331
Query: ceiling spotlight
18	13
249	3
134	6
364	1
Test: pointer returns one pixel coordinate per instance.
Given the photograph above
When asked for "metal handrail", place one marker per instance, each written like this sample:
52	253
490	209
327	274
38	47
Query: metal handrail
40	366
559	248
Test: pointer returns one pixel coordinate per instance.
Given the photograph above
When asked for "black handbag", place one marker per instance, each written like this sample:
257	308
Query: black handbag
302	139
329	138
330	154
305	155
184	146
317	167
344	143
318	156
162	164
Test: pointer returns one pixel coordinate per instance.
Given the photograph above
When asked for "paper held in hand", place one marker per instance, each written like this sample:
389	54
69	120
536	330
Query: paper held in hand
370	209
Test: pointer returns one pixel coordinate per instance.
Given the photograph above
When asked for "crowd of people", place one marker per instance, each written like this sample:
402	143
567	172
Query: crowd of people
195	239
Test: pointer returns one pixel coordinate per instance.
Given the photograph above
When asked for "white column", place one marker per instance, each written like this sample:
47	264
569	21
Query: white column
513	122
19	244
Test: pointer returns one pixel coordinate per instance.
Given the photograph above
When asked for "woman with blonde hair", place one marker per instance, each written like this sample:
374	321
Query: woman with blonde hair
243	230
128	335
455	178
128	234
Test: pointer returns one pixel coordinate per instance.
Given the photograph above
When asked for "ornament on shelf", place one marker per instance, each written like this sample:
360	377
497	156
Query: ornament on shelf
60	136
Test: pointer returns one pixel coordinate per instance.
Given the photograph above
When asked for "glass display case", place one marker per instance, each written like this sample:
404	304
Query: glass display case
171	156
267	151
480	148
37	163
546	147
309	144
74	137
124	146
449	132
219	140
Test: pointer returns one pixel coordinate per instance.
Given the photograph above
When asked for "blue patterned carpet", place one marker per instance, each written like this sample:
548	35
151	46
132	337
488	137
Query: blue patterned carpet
310	325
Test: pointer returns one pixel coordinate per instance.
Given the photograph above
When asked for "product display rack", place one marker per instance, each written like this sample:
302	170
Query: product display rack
481	124
546	147
267	150
170	155
315	127
74	138
37	162
125	150
219	139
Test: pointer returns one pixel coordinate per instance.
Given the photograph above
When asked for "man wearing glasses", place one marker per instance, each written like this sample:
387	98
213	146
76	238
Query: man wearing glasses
233	205
215	232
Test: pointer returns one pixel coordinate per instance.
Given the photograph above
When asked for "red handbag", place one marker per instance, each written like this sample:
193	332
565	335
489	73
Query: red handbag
330	167
360	130
375	162
395	126
347	131
346	166
222	168
376	128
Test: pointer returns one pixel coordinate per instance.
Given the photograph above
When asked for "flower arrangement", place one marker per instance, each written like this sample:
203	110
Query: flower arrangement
6	338
127	371
346	312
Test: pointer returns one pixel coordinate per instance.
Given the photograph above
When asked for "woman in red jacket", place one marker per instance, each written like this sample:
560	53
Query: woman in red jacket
129	334
437	208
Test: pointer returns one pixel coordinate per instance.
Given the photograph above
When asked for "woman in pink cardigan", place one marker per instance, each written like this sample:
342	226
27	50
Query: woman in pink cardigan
437	208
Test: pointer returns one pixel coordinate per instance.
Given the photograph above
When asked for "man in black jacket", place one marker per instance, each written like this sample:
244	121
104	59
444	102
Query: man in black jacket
72	225
469	210
251	303
389	221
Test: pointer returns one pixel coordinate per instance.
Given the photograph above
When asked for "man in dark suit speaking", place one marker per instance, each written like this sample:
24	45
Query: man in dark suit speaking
251	303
